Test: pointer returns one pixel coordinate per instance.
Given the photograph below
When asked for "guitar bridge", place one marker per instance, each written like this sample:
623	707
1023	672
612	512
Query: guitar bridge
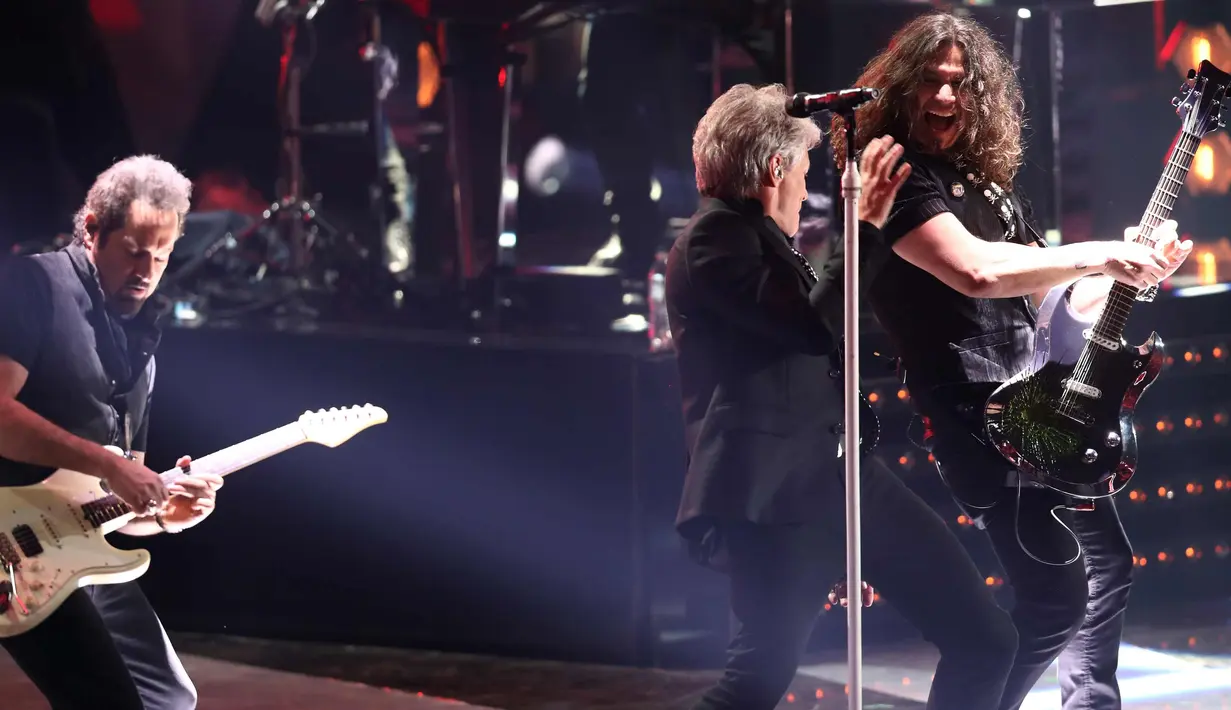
1083	389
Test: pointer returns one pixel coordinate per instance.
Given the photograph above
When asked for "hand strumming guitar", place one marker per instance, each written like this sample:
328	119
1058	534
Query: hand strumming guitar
134	484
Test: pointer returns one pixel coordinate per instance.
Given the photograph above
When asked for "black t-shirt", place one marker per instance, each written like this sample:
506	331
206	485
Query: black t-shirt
943	336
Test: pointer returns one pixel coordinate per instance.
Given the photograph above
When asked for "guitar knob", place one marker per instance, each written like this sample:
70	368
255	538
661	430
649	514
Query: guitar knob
1090	456
1113	439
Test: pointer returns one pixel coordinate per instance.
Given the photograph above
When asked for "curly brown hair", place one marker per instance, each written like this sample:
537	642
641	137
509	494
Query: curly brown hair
989	99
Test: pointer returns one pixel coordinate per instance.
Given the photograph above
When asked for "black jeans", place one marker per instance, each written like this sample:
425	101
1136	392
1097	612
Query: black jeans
780	576
1072	611
104	649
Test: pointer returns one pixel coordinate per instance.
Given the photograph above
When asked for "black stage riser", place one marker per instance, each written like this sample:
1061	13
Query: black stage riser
495	511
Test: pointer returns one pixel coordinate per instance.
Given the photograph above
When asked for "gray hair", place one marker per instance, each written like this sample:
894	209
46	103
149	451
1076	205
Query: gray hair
141	178
739	134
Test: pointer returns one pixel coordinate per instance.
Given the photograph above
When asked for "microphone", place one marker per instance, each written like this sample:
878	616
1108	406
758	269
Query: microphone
804	105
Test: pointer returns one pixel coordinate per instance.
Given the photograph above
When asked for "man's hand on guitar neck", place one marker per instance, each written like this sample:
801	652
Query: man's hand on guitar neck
192	498
1090	293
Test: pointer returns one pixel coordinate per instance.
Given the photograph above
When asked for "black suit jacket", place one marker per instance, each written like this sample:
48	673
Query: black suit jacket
756	342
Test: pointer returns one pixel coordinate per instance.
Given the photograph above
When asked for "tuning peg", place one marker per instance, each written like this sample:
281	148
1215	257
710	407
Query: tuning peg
1192	73
1176	101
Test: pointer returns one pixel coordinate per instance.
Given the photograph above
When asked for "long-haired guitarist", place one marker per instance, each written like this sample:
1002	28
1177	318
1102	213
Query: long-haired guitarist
756	331
77	349
955	287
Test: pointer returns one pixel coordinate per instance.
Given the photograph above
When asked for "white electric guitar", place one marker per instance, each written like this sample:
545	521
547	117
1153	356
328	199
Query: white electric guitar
51	533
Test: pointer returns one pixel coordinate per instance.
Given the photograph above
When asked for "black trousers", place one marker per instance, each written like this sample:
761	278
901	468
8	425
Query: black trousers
780	577
1070	589
104	649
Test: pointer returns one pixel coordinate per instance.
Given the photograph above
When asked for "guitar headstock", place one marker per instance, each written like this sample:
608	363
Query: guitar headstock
1200	103
336	426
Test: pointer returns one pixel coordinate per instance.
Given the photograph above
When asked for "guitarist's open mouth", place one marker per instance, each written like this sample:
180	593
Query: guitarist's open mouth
939	123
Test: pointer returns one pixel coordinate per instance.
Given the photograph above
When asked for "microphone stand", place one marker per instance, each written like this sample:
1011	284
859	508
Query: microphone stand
852	187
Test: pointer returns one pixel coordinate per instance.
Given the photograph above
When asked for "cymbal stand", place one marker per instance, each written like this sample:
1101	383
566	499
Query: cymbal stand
295	218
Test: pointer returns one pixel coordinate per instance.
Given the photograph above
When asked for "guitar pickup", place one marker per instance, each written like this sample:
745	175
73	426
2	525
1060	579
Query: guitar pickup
27	541
1104	343
8	553
1083	389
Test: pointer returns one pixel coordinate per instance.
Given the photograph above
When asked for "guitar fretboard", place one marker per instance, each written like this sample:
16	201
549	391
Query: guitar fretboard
243	454
1120	299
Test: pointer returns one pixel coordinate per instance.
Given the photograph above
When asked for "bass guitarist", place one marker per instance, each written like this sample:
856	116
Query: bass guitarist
77	342
953	284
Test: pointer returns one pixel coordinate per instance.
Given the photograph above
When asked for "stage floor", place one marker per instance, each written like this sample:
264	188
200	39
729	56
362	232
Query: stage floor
1161	669
223	685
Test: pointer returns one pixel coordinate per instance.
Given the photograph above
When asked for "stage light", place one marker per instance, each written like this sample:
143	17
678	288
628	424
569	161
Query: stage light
1211	168
873	397
1188	46
1200	47
903	394
1207	264
429	75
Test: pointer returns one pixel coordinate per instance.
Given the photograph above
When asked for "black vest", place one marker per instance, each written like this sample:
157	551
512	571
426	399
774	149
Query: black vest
94	371
944	337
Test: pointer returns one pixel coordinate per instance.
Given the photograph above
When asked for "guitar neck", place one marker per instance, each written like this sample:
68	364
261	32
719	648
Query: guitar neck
1120	299
245	453
329	428
228	460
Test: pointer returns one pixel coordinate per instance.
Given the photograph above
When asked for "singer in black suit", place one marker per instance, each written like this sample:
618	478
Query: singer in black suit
756	332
